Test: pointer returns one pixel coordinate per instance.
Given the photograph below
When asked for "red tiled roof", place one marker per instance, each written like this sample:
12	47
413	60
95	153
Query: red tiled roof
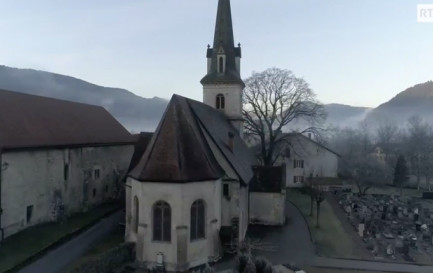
28	121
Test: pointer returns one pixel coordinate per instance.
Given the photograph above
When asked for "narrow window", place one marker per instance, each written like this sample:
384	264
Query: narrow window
29	213
136	215
226	190
294	179
66	171
94	193
161	222
96	174
197	220
221	65
220	101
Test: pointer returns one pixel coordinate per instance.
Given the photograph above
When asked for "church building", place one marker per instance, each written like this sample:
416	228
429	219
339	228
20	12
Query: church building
188	196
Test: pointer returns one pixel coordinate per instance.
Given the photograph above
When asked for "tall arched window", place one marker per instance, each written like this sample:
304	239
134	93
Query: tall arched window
161	221
221	65
220	101
197	220
136	215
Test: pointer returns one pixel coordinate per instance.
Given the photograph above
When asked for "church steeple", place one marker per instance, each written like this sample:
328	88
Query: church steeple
224	57
223	85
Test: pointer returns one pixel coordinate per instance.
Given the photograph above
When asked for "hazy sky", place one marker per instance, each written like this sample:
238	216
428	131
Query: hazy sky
354	52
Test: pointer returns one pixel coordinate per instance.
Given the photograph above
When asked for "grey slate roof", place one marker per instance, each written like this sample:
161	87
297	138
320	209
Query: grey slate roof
223	38
141	141
28	121
218	126
300	136
179	151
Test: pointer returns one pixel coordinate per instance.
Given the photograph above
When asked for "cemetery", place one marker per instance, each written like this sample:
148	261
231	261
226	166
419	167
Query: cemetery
392	227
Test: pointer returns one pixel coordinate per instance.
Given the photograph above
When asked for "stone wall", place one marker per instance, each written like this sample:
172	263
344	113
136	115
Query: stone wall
267	208
47	184
109	260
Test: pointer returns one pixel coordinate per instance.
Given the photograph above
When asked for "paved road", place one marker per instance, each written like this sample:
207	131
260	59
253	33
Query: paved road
289	244
60	257
370	265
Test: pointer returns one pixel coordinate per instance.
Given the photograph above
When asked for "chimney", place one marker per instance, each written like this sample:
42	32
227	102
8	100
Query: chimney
309	135
231	143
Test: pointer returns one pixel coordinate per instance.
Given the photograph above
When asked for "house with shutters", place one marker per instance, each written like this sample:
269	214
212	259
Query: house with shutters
306	158
56	158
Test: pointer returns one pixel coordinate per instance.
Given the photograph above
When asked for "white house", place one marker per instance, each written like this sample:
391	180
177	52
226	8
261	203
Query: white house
188	195
56	158
305	157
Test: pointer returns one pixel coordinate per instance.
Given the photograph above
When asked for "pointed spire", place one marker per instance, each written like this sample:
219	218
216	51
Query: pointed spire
224	27
223	45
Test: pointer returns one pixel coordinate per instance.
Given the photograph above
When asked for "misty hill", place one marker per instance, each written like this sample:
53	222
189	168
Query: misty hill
345	115
134	112
416	100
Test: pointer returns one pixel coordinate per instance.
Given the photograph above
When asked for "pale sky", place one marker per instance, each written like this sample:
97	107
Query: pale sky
353	52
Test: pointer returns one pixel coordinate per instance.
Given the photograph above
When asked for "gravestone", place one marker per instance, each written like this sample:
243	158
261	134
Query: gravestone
361	228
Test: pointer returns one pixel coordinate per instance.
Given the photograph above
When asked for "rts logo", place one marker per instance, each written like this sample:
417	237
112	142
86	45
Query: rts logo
425	13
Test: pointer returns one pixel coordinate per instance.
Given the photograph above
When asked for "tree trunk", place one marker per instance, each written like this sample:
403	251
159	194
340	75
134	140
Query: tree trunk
318	212
418	173
401	189
312	203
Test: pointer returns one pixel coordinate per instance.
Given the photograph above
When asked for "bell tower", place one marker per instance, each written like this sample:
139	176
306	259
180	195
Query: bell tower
222	85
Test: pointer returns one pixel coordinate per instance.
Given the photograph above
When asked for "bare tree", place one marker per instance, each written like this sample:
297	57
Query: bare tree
273	99
419	145
364	134
365	171
386	134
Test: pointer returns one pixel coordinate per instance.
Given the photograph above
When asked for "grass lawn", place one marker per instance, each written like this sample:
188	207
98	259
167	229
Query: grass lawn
331	238
112	240
331	270
21	246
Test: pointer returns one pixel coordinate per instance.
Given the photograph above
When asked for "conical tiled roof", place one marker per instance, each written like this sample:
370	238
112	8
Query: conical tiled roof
178	151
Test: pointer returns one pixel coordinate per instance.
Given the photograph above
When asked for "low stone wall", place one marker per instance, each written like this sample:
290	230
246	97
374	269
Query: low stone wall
267	208
109	260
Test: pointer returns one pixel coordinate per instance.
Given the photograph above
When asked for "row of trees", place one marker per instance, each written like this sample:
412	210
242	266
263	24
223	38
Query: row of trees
385	153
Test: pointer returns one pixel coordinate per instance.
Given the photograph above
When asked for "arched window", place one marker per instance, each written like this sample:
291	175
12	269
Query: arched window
161	222
197	220
220	101
136	215
221	65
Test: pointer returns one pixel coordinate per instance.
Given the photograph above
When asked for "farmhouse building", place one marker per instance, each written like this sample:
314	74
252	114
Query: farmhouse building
305	158
56	158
